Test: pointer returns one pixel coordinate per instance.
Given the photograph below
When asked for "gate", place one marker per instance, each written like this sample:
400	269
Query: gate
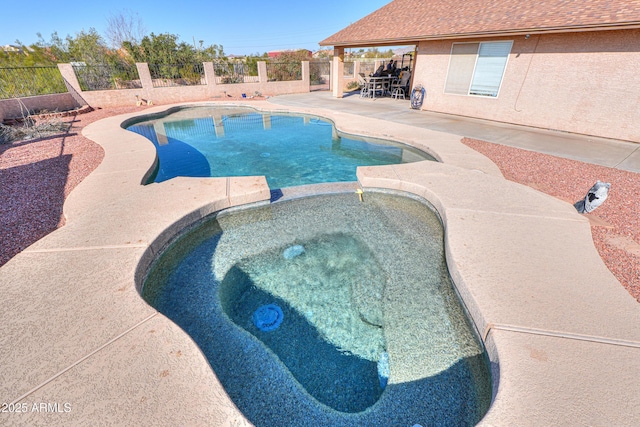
319	74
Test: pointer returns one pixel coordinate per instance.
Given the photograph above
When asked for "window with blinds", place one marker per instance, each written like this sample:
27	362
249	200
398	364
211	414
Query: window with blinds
477	68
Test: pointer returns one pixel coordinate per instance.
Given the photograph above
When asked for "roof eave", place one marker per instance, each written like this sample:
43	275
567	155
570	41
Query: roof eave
506	33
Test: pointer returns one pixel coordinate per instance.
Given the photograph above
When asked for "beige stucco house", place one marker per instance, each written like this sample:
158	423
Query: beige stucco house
551	64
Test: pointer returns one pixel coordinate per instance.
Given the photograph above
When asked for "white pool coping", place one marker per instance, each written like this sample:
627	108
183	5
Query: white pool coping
562	334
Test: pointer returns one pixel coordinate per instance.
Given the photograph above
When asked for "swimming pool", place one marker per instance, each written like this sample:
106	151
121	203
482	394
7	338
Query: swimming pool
288	149
353	281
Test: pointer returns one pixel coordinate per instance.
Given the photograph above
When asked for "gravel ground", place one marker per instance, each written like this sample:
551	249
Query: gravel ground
38	175
615	225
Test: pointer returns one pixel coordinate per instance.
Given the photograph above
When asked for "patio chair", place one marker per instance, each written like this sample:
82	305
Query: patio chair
364	85
400	88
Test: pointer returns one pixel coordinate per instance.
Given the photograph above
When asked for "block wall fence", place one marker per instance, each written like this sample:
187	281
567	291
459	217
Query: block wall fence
211	90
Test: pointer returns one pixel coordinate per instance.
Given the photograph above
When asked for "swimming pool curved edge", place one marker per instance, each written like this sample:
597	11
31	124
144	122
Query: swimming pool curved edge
412	381
540	322
443	147
312	157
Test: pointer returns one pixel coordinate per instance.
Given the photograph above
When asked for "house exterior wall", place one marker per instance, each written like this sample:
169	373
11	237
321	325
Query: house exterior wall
584	83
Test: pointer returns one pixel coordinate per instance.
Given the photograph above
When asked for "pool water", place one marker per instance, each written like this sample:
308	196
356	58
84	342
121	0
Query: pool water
289	150
354	283
321	324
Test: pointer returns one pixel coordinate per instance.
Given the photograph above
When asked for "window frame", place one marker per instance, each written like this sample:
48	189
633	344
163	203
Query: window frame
475	66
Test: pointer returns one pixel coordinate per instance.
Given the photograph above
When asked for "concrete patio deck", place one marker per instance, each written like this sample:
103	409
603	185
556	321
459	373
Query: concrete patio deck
601	151
561	332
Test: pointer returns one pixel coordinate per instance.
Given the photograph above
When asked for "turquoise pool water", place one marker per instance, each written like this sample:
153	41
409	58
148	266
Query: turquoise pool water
289	150
342	286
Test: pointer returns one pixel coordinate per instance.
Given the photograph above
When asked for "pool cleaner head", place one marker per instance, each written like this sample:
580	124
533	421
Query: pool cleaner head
594	198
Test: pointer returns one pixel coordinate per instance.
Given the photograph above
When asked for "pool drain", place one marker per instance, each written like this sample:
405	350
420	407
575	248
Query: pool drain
268	317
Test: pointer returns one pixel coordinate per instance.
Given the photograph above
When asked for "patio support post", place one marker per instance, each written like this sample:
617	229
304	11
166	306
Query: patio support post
338	72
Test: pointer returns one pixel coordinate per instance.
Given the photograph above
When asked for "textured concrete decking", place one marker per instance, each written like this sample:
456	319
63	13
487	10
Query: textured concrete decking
612	153
561	332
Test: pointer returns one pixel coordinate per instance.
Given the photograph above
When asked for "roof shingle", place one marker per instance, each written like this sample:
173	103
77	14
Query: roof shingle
412	20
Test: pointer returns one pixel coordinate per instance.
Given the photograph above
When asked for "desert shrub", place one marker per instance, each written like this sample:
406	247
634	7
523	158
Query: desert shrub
353	85
31	129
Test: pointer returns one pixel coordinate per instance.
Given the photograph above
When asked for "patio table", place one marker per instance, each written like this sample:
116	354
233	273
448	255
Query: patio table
378	83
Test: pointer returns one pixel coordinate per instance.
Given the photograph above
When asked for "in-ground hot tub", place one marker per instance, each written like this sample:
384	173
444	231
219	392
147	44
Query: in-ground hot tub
327	310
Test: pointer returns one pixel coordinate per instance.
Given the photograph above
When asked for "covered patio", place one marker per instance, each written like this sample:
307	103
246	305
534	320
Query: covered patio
338	81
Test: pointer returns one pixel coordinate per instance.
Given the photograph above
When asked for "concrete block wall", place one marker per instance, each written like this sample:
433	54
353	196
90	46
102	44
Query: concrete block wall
76	97
14	108
166	95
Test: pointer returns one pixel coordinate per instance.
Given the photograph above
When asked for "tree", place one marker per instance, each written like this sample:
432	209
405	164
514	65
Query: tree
57	49
252	64
293	56
287	66
124	26
158	49
88	47
324	54
29	56
376	53
166	49
210	53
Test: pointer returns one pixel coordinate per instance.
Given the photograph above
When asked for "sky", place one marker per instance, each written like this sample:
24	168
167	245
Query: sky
242	27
